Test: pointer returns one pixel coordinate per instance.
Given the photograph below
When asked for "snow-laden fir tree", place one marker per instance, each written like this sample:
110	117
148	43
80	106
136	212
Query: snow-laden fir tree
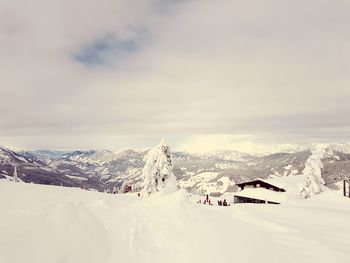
313	183
14	176
157	173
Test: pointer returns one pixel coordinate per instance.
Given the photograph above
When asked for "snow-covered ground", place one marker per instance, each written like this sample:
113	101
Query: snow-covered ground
205	183
54	224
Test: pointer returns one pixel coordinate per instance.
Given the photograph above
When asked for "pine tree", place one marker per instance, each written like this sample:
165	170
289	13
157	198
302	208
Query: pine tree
313	183
15	178
157	172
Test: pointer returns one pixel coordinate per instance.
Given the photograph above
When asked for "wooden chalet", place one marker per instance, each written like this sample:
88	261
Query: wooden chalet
259	192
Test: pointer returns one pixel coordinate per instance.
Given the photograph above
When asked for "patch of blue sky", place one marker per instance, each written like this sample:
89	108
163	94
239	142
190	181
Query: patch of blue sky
104	50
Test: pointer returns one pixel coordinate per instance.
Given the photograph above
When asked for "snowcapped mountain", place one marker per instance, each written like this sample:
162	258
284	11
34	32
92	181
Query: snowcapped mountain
36	168
213	173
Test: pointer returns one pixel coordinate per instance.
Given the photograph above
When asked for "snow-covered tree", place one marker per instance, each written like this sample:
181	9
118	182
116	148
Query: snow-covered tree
313	183
15	177
157	173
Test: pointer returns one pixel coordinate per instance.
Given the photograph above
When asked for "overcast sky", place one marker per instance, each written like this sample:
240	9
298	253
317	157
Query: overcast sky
123	73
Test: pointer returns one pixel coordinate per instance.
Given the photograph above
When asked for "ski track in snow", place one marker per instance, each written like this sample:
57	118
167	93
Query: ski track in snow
325	239
51	224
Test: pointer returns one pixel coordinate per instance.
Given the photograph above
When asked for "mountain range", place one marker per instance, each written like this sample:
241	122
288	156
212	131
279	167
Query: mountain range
199	173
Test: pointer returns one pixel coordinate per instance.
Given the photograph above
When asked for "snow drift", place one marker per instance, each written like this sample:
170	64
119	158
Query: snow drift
64	225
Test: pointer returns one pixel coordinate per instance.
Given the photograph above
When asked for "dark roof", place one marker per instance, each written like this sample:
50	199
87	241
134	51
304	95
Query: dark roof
262	182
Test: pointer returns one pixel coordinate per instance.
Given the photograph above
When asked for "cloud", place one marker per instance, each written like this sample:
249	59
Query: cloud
129	69
241	143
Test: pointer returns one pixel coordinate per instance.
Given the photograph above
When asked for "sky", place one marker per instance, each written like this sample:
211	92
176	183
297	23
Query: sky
113	74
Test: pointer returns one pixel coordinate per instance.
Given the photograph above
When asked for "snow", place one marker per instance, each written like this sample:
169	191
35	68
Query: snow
204	183
76	177
10	178
288	167
97	156
56	224
223	165
341	147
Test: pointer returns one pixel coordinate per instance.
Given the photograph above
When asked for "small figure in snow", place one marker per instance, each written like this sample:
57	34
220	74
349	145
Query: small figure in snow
224	203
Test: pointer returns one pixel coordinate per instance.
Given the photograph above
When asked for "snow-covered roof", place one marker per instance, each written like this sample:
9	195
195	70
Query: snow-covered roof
270	182
263	194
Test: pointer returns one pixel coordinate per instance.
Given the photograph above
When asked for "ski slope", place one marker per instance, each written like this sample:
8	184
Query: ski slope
44	224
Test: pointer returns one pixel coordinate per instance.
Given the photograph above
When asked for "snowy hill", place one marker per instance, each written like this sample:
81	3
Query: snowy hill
213	173
57	224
